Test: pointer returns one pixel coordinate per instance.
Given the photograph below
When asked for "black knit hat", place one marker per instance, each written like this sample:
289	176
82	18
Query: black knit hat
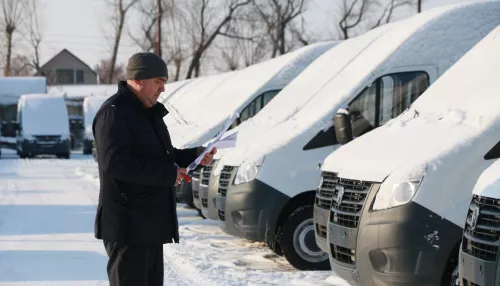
146	65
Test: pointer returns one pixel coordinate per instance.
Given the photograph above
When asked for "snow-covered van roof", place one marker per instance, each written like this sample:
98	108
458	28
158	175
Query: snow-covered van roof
43	114
80	91
244	86
183	102
488	184
91	105
11	88
434	39
460	109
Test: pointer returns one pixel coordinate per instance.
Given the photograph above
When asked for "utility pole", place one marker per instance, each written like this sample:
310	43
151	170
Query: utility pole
158	28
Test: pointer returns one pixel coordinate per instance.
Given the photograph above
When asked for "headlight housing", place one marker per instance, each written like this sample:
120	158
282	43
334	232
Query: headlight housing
399	188
248	170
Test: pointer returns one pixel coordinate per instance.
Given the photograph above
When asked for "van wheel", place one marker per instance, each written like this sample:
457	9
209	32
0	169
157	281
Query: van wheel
298	243
451	273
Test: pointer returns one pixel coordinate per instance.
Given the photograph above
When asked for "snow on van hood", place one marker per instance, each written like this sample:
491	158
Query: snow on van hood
186	99
488	184
461	106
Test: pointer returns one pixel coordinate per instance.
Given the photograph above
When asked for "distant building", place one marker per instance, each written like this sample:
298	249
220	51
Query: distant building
66	68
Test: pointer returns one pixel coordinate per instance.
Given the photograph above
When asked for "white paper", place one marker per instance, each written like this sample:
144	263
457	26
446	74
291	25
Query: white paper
217	138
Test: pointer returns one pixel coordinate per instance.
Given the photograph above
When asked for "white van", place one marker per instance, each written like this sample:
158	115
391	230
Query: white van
181	103
403	190
245	93
43	126
479	261
91	105
268	184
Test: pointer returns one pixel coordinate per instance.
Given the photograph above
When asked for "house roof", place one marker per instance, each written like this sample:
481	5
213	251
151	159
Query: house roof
71	54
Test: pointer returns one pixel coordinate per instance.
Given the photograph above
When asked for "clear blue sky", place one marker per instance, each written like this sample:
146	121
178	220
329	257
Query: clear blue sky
81	25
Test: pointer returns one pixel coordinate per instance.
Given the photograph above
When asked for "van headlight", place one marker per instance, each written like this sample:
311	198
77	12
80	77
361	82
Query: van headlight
248	170
399	189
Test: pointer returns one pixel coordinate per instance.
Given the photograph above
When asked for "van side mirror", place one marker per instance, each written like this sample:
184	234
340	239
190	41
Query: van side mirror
343	128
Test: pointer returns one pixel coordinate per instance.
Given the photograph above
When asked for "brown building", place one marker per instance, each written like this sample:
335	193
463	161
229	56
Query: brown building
65	68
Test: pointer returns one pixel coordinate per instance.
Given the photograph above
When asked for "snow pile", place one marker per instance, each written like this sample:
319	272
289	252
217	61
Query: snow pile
488	184
44	114
406	43
11	88
242	88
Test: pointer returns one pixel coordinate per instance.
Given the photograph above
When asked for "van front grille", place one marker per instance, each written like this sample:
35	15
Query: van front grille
222	215
224	178
196	174
347	202
47	138
342	254
482	228
206	173
321	230
325	192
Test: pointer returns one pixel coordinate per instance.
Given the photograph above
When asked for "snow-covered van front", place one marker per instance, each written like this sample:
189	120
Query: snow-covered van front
179	105
479	260
43	126
268	184
246	94
90	106
402	191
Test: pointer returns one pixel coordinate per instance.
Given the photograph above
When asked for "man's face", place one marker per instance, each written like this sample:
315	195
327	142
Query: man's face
150	90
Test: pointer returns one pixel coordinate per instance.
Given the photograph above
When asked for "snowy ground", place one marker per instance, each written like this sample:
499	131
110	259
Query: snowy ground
47	209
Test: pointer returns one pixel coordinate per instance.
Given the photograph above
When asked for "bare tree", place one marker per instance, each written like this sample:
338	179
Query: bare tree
147	38
389	9
159	8
103	71
419	6
278	15
20	66
12	18
33	32
206	25
120	9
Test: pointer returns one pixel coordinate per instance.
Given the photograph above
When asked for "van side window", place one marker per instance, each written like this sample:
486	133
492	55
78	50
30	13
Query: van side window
257	104
362	111
398	91
494	153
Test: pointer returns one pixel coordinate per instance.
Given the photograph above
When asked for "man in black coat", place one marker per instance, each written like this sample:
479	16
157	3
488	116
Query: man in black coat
138	169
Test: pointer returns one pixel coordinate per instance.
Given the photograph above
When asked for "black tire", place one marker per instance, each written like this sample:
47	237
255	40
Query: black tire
23	155
87	151
298	244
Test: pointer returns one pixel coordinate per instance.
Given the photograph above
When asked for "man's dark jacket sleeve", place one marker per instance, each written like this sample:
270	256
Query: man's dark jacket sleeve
115	156
185	157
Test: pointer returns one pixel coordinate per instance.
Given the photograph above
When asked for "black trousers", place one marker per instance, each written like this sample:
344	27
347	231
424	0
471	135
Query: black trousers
134	265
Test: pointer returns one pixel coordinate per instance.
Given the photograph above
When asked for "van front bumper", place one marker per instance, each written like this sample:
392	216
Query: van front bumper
41	148
406	245
250	210
208	196
320	227
478	271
